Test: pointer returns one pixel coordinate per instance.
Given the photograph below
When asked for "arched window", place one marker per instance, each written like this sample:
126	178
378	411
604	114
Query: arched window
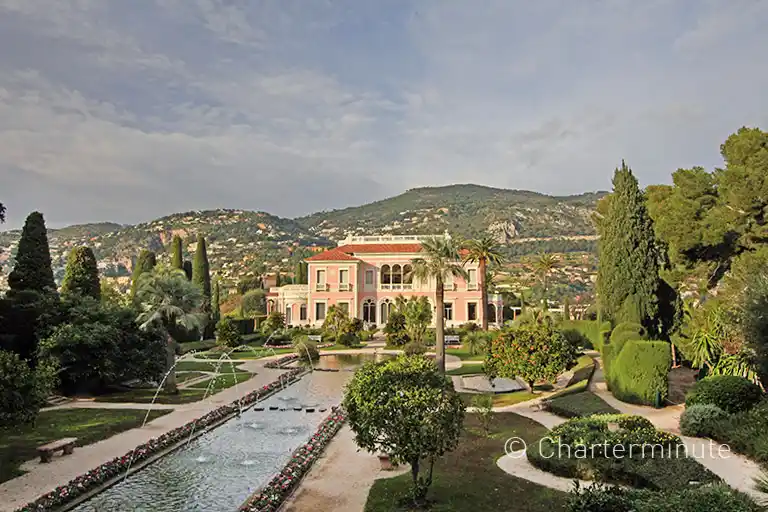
386	309
407	274
397	274
369	311
386	276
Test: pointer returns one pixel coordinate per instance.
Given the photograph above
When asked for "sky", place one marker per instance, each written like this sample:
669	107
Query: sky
124	111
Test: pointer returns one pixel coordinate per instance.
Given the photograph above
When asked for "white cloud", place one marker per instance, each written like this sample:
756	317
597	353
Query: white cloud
128	110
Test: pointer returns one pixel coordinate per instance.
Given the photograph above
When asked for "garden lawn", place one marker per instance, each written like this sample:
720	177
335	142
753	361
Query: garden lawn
207	366
468	480
19	443
463	354
466	369
221	382
189	346
344	347
585	403
248	354
185	376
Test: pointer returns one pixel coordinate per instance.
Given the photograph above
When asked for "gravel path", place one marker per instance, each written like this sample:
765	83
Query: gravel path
340	480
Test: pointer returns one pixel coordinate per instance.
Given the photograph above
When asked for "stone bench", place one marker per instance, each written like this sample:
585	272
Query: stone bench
66	446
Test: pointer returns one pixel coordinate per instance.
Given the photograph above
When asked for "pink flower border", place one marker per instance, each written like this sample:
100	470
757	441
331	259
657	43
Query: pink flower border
86	482
272	495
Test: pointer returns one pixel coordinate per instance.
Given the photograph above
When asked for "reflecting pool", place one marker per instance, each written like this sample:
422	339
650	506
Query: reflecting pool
220	469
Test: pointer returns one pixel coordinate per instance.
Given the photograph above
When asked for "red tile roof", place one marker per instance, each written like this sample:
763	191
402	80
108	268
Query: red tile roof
344	252
332	255
379	248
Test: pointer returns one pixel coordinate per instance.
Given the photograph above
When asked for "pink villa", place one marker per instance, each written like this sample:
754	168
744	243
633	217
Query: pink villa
365	274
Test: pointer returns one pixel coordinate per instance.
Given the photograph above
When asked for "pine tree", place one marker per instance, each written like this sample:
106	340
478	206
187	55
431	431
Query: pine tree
82	274
628	276
144	263
177	258
33	271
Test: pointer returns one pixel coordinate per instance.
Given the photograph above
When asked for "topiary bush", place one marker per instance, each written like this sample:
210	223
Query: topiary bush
625	332
576	338
228	334
637	372
699	420
591	329
728	392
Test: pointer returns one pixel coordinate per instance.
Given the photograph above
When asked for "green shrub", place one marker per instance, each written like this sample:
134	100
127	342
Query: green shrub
227	333
699	420
625	332
745	432
477	341
602	498
305	348
730	393
23	391
395	331
412	348
639	371
579	405
348	339
576	338
591	329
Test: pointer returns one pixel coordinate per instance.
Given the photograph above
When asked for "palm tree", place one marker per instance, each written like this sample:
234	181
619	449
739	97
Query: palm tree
543	267
168	301
484	252
439	261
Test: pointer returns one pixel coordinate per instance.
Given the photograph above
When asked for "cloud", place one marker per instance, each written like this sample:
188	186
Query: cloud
129	110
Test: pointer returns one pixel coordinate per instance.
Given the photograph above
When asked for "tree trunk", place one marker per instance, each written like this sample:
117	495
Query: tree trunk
484	294
415	479
170	360
440	327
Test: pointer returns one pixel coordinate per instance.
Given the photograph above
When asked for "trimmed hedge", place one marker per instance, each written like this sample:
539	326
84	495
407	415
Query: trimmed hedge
728	392
578	405
602	498
639	370
593	330
625	332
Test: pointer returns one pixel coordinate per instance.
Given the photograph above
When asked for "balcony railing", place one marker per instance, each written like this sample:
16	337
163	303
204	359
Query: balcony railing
449	287
322	287
398	286
345	287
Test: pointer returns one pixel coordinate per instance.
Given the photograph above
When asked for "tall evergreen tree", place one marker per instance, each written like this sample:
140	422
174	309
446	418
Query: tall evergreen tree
144	263
201	273
628	276
567	308
278	279
32	271
215	301
177	257
82	274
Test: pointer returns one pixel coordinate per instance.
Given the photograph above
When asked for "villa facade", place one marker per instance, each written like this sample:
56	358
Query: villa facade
365	274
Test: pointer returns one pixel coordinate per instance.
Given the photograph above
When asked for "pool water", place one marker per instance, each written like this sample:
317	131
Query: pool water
220	469
348	362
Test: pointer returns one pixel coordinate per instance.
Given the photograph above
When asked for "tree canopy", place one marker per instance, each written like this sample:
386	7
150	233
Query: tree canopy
404	407
33	271
81	275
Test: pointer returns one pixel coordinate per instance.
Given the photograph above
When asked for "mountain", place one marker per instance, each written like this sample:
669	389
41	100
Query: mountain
242	242
239	241
465	210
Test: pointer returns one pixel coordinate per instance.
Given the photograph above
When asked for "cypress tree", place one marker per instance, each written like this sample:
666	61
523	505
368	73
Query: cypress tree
33	271
144	263
278	279
82	274
215	300
628	275
177	259
567	308
201	272
187	268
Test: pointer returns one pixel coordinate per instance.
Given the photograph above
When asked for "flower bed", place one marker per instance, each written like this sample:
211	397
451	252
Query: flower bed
272	495
283	361
119	465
